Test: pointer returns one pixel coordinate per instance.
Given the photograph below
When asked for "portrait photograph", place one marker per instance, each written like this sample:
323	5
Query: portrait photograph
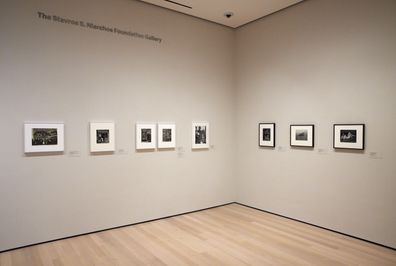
267	134
102	137
145	136
166	136
200	135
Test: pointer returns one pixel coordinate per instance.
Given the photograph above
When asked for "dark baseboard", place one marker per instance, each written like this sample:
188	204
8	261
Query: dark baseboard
107	229
213	207
321	227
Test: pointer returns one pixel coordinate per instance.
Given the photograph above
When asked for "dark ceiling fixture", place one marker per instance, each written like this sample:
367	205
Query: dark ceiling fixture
228	14
179	4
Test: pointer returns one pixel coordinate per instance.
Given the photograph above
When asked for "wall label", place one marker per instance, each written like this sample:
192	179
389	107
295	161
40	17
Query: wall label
92	26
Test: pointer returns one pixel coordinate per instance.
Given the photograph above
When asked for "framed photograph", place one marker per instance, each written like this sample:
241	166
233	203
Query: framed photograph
267	134
200	135
145	136
302	135
166	135
348	136
44	138
102	136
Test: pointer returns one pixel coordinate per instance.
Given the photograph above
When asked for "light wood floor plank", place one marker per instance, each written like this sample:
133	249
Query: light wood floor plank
228	235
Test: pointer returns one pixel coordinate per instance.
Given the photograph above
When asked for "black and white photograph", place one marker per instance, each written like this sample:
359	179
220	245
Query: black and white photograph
200	135
44	137
102	137
302	135
146	136
348	136
166	135
267	134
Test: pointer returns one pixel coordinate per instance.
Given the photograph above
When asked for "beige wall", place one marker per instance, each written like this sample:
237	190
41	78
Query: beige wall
321	62
55	72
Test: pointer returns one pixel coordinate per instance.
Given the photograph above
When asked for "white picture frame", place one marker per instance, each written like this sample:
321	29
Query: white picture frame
146	136
44	137
102	137
267	135
302	135
166	133
200	135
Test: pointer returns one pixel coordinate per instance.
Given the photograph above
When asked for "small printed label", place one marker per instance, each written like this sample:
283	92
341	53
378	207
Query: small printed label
180	151
322	151
375	155
74	153
122	151
281	149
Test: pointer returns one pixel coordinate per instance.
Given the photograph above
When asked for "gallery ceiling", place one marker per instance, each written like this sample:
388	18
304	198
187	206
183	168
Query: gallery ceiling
242	11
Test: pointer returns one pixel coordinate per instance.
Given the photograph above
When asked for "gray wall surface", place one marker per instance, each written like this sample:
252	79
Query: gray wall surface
321	62
52	72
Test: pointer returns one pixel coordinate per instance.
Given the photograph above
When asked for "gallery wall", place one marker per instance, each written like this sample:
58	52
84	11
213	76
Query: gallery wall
321	62
59	72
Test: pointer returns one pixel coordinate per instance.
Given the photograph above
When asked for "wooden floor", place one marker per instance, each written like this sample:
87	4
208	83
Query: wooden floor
228	235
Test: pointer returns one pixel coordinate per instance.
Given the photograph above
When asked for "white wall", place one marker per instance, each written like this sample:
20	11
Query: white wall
56	72
321	62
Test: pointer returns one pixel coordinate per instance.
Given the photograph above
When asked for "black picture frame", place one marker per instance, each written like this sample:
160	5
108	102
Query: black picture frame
304	139
349	136
270	141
